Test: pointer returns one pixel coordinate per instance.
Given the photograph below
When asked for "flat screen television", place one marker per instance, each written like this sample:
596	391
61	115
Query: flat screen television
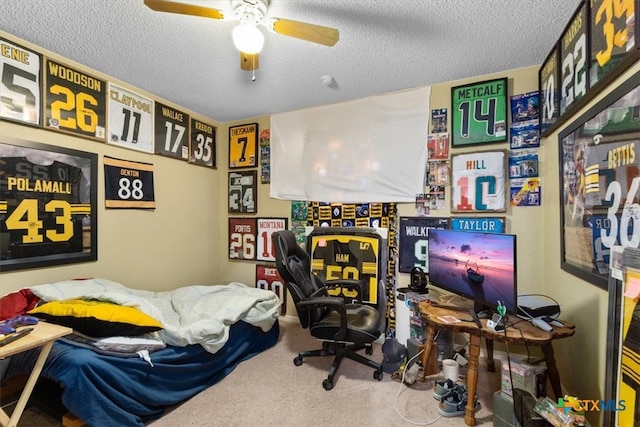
478	266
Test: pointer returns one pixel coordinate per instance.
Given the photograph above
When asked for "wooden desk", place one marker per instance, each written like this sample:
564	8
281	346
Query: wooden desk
522	332
43	335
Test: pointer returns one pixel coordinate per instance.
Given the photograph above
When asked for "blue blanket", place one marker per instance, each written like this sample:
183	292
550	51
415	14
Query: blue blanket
113	391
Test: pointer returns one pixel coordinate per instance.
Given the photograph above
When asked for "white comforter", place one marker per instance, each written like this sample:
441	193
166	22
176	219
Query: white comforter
190	315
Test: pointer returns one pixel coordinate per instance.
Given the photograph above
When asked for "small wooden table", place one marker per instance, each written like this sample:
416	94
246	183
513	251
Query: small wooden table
518	331
43	335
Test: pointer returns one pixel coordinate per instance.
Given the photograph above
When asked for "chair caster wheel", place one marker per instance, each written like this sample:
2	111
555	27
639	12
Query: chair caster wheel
377	375
369	350
297	361
327	385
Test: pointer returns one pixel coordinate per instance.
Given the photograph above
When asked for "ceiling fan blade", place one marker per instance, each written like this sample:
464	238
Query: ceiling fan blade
248	61
310	32
183	8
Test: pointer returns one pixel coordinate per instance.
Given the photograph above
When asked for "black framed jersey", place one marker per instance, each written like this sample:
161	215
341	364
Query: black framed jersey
414	232
348	253
41	208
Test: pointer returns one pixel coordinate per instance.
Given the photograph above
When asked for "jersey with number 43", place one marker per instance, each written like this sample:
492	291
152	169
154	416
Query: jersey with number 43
40	208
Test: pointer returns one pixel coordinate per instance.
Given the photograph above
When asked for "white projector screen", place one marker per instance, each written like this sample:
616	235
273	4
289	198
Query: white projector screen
369	150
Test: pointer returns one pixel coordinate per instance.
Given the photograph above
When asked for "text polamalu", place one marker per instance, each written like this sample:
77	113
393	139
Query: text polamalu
38	185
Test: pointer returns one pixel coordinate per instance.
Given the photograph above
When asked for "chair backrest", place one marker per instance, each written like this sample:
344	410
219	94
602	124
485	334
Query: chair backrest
294	265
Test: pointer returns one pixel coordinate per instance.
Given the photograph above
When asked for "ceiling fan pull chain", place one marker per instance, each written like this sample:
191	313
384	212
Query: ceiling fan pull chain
253	78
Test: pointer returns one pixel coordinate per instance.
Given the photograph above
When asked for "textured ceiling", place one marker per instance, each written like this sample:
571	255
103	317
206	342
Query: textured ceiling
385	45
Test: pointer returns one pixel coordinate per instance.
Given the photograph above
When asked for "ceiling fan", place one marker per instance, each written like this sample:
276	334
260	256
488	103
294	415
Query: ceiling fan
247	38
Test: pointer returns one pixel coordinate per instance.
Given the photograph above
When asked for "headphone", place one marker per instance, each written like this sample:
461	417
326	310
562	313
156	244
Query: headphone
419	280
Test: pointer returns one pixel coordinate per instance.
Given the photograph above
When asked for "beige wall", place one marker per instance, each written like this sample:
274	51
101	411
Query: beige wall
174	245
581	358
184	241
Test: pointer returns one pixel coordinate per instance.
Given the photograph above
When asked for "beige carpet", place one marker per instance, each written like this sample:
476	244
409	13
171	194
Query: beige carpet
269	390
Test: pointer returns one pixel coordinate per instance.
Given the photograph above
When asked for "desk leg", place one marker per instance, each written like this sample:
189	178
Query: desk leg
552	369
31	382
428	346
491	364
472	379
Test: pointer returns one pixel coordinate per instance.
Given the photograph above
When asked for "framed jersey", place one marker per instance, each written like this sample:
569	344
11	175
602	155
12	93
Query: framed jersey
130	119
48	198
266	227
202	144
268	278
574	60
350	253
171	132
478	182
21	84
612	35
600	183
242	239
479	113
243	146
243	192
548	78
414	246
75	101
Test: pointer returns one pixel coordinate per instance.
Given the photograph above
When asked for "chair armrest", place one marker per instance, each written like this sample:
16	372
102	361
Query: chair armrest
350	284
331	303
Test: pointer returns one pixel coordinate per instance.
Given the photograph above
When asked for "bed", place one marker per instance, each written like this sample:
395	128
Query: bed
207	332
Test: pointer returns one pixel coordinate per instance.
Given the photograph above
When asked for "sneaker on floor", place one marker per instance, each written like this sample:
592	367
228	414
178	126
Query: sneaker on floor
454	404
444	387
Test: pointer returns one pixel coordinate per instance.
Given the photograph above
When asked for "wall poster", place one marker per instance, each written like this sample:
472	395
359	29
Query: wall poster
48	199
600	183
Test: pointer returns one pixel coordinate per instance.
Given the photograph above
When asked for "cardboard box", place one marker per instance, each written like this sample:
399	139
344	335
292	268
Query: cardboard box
532	378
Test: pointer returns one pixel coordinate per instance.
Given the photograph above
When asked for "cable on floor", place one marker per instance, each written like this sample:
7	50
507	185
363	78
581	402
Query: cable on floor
417	423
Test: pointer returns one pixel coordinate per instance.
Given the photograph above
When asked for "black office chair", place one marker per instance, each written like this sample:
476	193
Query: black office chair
344	327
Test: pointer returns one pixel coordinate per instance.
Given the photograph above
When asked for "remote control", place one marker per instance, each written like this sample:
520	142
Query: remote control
538	322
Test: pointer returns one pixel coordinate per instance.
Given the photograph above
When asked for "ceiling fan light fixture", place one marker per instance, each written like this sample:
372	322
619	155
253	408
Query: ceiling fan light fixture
248	38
